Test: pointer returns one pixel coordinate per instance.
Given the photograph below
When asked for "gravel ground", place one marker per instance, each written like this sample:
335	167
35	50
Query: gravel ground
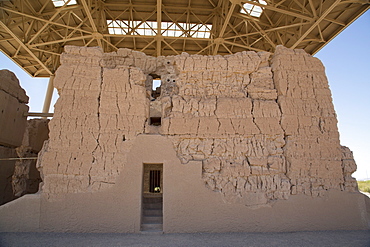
317	238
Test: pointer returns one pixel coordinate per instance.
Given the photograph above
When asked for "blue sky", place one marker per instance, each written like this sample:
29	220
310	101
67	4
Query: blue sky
347	63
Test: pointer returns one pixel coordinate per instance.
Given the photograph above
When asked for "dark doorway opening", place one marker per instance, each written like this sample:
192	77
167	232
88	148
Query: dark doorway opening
152	199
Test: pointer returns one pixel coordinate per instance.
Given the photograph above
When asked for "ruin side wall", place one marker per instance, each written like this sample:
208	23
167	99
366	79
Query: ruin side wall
13	100
26	178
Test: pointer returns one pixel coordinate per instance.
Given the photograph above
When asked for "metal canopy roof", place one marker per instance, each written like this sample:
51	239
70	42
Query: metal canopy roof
34	32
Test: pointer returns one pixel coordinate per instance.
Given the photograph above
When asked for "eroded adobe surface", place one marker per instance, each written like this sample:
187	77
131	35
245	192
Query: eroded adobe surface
13	106
19	138
26	177
262	124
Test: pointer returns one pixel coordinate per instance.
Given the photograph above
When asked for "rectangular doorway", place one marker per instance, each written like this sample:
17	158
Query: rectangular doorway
152	198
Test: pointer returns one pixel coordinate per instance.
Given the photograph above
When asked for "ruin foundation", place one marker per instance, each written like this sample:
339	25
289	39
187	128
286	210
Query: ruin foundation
245	142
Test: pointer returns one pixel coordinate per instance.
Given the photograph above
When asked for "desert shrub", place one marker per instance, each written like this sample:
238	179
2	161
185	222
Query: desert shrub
364	186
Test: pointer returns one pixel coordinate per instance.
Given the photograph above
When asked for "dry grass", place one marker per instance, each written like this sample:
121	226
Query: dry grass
364	186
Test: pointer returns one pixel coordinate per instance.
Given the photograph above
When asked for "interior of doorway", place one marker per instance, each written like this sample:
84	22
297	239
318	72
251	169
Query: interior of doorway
153	179
152	198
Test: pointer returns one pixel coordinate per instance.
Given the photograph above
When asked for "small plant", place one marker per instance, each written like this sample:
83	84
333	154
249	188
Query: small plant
364	186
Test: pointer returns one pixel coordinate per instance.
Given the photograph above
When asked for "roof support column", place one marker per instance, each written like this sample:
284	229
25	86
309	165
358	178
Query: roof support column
48	95
159	28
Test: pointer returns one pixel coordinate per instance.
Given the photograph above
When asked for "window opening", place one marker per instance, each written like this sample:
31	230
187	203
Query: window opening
155	121
155	110
60	3
155	181
252	9
156	88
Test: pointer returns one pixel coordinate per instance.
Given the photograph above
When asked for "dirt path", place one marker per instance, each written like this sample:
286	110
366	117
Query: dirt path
318	238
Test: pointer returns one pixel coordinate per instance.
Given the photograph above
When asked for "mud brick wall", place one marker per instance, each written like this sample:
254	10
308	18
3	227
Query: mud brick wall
263	125
13	106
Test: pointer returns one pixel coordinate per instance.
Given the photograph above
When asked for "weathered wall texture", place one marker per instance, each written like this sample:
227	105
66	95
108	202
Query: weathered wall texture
263	125
18	138
247	142
26	177
188	206
100	109
13	100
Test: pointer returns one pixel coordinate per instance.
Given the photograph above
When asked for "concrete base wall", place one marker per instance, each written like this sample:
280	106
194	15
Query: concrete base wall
188	206
21	215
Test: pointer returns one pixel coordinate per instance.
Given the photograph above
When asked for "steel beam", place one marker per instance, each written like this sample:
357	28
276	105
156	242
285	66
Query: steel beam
38	114
91	20
159	37
25	47
44	20
314	25
223	28
46	24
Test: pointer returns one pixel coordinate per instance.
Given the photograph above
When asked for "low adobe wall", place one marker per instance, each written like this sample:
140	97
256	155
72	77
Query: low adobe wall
188	206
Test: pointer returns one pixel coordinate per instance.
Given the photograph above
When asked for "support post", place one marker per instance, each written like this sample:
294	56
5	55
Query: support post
48	95
159	28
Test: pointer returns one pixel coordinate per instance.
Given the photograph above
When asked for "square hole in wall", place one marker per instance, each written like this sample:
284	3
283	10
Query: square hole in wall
155	121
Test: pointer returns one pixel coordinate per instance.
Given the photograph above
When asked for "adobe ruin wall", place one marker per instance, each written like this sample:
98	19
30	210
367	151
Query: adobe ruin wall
26	178
263	125
13	106
19	138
